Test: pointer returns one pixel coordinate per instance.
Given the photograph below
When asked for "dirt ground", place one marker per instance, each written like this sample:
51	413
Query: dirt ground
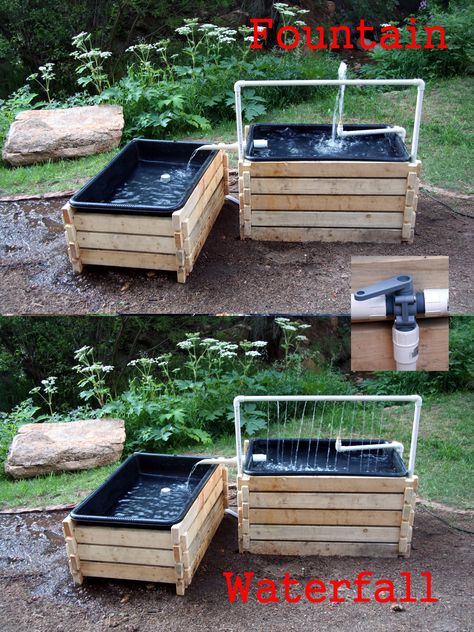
37	593
231	276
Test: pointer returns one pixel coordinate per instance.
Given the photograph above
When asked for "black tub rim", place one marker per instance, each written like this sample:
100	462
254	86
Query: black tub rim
111	521
136	209
288	158
248	471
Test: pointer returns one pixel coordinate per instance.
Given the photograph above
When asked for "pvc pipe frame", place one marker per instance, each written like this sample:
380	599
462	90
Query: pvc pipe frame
241	399
419	83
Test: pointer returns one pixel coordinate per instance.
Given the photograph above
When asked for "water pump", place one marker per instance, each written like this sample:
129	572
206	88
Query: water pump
396	297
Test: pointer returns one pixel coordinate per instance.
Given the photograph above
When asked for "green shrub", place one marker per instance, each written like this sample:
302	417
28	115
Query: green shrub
165	94
457	59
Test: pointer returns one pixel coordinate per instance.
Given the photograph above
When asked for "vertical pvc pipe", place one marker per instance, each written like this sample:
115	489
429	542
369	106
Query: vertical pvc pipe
414	436
238	437
239	121
417	122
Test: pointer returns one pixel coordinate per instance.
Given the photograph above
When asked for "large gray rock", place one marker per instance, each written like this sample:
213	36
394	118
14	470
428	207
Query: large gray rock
39	135
76	445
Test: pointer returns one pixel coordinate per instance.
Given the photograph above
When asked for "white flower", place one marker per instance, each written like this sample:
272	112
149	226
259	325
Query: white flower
304	326
227	354
208	341
259	343
83	349
208	27
185	344
301	338
253	353
79	38
184	30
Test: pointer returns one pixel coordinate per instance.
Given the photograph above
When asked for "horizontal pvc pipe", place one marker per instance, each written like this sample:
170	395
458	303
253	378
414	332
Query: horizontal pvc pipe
218	146
401	131
436	304
394	445
231	460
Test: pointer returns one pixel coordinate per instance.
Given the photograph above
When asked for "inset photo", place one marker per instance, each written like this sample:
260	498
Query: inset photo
399	313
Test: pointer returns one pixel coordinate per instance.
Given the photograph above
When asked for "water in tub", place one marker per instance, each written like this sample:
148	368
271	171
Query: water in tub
155	183
154	497
291	456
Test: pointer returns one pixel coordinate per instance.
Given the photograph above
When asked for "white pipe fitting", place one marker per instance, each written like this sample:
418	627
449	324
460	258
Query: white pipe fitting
219	146
436	302
394	445
405	348
371	309
218	460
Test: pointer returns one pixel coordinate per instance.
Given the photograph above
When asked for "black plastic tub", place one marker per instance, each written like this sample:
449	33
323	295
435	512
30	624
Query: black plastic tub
132	495
131	182
296	457
288	142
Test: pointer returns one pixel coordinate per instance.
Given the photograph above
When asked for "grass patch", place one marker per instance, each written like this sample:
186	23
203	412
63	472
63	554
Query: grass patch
445	147
445	456
63	175
54	489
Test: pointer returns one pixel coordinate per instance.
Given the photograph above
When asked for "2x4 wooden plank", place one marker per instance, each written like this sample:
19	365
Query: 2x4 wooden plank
329	186
302	500
360	235
116	536
129	571
336	517
198	237
121	258
200	206
210	526
313	219
123	224
355	549
327	169
366	484
345	203
389	535
125	555
128	243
